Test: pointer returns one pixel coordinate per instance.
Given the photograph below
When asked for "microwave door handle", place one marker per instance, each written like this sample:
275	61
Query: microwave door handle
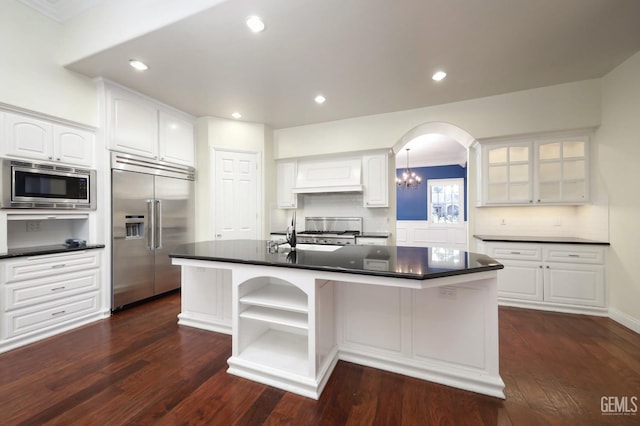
151	238
158	224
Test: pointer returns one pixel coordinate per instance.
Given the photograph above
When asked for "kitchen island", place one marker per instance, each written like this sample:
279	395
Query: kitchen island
429	313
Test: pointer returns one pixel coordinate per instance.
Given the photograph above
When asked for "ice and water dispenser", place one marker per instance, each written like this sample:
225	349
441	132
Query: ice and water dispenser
134	227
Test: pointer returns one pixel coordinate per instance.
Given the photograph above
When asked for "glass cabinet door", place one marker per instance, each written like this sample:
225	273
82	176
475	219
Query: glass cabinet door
508	176
561	170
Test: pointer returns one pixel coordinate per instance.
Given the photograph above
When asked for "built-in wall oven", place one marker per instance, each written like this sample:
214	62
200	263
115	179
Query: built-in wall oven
27	184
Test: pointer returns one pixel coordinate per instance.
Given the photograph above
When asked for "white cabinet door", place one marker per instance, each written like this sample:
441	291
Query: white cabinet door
507	174
133	124
28	137
286	175
73	146
176	139
520	280
562	170
574	284
376	180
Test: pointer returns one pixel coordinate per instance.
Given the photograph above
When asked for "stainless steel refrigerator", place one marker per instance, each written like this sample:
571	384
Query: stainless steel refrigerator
152	213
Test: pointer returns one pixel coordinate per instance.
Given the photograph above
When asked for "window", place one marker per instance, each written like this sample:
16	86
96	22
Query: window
445	198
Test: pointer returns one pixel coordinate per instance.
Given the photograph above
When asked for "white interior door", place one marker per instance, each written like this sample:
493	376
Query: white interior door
237	193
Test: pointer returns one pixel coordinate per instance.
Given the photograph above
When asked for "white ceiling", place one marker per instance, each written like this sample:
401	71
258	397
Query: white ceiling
365	56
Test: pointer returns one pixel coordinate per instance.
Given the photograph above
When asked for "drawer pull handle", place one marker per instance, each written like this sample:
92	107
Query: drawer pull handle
58	313
58	288
61	265
574	255
515	252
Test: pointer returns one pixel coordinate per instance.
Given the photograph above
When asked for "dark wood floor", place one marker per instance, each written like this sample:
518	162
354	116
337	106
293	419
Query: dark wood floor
140	367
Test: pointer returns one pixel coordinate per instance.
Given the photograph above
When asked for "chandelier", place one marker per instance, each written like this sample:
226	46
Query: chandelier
409	179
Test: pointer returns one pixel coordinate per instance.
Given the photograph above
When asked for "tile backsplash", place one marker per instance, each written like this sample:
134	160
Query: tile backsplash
588	221
346	204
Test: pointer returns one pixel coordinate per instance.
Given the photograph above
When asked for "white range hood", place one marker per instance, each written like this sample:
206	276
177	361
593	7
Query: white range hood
336	175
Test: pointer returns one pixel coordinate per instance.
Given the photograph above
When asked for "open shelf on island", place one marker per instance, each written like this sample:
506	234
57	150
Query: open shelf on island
276	316
278	296
280	350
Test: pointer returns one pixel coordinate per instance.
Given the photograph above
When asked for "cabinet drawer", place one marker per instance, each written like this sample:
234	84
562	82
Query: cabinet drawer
27	293
574	254
371	241
43	266
516	252
36	318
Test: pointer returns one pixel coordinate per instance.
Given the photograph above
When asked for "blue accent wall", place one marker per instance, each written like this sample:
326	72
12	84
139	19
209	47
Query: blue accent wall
412	203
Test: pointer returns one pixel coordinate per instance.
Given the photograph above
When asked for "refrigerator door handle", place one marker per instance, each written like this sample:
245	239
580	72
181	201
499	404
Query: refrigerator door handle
151	225
158	224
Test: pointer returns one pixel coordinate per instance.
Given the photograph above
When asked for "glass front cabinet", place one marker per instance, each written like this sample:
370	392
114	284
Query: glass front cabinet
562	171
534	171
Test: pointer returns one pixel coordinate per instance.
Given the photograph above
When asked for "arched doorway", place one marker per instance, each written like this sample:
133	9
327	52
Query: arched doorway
425	226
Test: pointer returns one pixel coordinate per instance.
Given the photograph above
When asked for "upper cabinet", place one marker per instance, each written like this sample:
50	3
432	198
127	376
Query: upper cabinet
562	170
140	126
287	171
535	171
28	137
507	171
375	177
176	139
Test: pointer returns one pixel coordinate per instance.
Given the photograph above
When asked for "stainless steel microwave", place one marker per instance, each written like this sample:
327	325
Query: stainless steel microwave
31	185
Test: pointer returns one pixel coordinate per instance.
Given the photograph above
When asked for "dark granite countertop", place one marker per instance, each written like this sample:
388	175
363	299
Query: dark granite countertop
52	249
545	240
418	263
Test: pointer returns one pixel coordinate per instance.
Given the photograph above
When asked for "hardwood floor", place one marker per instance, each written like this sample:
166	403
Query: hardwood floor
140	367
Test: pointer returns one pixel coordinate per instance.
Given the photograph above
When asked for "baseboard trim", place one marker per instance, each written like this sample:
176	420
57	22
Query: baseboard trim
625	320
554	307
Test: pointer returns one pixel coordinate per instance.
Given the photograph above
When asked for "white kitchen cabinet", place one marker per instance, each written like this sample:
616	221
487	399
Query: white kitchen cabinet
29	137
207	300
286	175
73	146
47	294
521	280
561	277
574	284
140	126
274	315
133	124
507	169
285	330
562	170
176	139
375	176
372	241
536	171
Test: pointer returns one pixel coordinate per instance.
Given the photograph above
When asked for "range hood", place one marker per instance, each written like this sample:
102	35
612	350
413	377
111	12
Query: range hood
336	175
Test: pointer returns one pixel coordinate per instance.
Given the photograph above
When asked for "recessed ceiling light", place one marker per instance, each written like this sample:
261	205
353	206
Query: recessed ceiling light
319	99
236	115
139	65
255	24
439	75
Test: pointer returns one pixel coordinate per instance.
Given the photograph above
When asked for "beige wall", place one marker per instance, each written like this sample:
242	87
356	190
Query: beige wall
220	133
617	153
116	21
566	106
30	76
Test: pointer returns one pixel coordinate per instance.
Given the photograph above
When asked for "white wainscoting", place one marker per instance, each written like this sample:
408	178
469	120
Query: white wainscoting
421	233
